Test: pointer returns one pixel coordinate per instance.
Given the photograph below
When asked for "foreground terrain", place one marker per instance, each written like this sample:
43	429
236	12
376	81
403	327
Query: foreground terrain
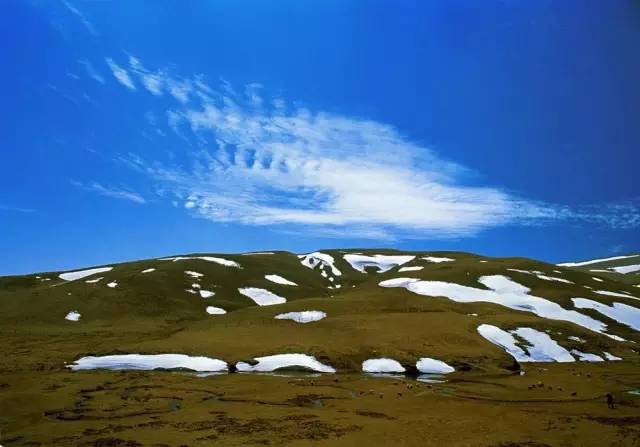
534	349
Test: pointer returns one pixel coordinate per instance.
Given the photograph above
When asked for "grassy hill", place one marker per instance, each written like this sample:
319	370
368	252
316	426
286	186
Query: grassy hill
158	306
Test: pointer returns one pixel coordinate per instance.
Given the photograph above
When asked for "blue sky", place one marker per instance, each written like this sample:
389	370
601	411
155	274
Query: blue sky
143	129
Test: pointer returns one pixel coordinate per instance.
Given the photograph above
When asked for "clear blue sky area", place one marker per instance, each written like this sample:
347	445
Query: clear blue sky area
141	129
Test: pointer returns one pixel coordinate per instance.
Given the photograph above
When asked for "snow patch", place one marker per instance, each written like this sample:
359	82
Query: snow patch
586	357
622	313
262	297
312	260
306	316
428	365
93	281
597	279
271	363
112	284
503	291
595	261
410	269
383	263
382	365
79	274
206	293
279	280
193	274
149	362
611	357
212	310
148	270
437	259
74	315
618	294
540	347
221	261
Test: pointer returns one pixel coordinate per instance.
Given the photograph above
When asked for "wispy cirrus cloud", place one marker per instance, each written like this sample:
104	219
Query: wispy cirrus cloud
91	71
16	209
264	162
113	192
121	74
83	19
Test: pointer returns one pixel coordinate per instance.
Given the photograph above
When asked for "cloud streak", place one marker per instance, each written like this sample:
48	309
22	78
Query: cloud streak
264	162
116	193
83	19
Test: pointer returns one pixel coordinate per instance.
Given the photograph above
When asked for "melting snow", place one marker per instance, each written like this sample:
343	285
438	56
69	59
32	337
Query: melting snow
383	263
206	293
382	365
586	357
324	260
620	312
212	310
541	275
74	315
410	269
149	362
93	281
624	269
502	291
262	297
191	291
597	279
148	270
79	274
619	294
611	357
279	280
306	316
540	347
578	339
273	362
438	260
428	365
193	274
595	261
221	261
195	285
112	284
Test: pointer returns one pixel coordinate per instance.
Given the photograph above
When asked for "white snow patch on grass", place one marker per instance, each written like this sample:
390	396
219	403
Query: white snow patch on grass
437	259
624	269
578	339
597	279
149	362
74	315
212	310
595	261
279	280
586	357
428	365
112	284
221	261
382	366
206	293
383	263
148	270
306	316
272	363
540	347
611	357
410	269
541	275
195	285
312	260
622	313
503	291
618	294
93	281
79	274
191	291
193	274
262	297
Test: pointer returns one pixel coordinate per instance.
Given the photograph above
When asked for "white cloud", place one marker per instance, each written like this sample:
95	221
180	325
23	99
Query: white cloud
91	71
116	193
83	19
267	163
121	74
